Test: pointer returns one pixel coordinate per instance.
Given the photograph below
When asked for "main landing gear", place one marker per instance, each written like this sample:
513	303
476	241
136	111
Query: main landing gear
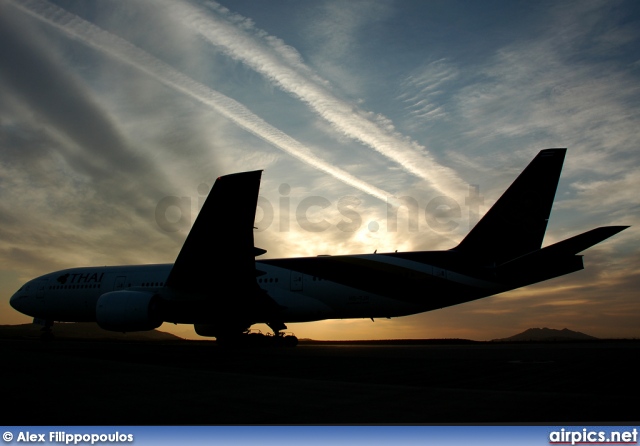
273	340
280	338
255	338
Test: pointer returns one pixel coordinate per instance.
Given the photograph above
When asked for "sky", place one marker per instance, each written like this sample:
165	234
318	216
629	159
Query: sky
111	110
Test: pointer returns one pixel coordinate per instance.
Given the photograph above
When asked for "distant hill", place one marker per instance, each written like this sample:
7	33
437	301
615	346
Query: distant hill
548	334
82	330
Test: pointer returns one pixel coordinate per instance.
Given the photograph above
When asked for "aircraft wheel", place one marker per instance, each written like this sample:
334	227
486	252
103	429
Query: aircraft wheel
290	341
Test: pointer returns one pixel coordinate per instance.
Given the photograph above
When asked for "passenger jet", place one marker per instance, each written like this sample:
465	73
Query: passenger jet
217	284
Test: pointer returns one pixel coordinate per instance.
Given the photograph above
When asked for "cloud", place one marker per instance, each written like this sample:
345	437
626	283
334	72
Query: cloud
421	89
62	153
69	107
231	109
559	89
241	40
333	32
617	192
336	26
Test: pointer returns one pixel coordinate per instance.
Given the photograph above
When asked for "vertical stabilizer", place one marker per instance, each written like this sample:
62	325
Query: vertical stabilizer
516	223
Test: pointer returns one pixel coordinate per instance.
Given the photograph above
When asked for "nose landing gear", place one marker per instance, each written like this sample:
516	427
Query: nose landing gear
46	332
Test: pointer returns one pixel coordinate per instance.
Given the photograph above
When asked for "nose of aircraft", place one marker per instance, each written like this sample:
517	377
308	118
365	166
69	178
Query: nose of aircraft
19	301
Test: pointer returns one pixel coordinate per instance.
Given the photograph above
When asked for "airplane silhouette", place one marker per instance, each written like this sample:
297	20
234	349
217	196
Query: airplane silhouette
217	284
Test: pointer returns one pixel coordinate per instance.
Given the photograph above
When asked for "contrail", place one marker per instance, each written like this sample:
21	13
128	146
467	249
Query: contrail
123	50
282	65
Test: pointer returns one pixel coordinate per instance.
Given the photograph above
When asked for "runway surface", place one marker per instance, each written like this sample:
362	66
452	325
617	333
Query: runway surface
73	382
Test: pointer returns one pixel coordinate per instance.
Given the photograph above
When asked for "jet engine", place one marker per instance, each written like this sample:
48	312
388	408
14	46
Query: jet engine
228	328
128	311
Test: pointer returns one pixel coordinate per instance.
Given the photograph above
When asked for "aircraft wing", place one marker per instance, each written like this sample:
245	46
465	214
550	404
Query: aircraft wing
219	249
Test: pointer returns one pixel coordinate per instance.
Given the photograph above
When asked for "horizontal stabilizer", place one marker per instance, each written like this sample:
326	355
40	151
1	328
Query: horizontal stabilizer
570	246
579	243
555	260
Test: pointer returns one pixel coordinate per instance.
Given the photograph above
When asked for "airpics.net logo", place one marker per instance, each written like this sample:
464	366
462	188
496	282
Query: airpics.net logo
441	214
590	436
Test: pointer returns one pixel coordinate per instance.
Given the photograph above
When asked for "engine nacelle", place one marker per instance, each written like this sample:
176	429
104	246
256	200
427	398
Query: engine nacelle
206	329
221	328
128	311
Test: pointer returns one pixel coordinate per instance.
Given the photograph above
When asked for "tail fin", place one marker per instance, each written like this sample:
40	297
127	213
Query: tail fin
516	223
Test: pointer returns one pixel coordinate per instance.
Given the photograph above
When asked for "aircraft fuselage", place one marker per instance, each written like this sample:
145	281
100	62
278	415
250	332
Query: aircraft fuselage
306	293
